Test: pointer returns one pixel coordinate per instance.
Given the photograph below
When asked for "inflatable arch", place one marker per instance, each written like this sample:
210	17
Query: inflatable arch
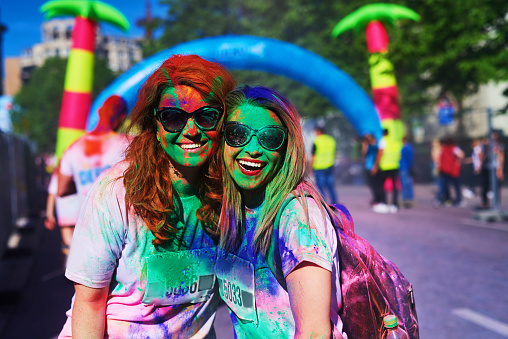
262	54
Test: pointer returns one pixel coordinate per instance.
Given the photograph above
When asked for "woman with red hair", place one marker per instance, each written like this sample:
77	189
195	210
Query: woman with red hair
143	250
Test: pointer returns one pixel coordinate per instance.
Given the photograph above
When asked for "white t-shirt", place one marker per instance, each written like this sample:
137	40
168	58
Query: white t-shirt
113	246
90	155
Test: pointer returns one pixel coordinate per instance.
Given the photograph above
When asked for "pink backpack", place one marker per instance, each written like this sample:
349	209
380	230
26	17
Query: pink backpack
371	285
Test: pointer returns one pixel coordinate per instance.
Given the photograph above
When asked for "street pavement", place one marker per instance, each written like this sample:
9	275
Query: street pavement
458	266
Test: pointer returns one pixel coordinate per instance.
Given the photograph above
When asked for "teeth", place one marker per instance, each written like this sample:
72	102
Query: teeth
190	146
249	163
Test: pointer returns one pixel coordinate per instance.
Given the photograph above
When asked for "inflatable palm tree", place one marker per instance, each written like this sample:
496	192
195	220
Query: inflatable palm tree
384	86
77	97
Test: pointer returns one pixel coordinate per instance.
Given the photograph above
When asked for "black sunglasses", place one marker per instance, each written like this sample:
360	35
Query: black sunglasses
173	119
270	137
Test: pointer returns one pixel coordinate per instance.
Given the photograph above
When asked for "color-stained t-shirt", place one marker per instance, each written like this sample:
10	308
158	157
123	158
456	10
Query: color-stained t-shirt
167	292
243	274
90	155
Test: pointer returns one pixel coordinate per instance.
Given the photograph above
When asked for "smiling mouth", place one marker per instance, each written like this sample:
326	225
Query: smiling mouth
190	147
251	166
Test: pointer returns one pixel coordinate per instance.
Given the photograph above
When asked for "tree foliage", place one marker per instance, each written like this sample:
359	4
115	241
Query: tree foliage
457	46
305	23
36	107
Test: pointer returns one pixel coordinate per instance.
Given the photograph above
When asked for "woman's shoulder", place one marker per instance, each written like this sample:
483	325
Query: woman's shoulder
294	201
296	207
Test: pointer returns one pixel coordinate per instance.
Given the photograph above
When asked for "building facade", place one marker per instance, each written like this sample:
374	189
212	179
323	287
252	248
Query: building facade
121	52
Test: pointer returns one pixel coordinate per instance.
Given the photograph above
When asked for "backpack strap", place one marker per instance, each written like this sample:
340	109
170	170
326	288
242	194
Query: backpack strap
345	220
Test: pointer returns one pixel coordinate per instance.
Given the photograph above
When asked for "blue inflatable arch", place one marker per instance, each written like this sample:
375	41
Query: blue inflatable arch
261	54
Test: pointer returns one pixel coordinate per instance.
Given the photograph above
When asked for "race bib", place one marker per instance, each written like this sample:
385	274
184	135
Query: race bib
236	285
181	277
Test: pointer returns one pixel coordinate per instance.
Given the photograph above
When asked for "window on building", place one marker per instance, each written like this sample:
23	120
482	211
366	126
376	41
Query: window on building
68	33
56	34
26	73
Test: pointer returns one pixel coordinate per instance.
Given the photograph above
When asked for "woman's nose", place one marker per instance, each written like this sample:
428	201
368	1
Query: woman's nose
190	129
253	147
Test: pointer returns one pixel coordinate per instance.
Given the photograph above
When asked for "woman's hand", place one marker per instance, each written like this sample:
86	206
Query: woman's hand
50	222
89	312
310	288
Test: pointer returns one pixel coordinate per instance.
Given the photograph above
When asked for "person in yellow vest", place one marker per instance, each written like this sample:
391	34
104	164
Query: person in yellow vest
389	162
322	161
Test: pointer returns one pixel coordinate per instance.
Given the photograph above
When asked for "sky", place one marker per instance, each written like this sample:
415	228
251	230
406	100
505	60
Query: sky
23	20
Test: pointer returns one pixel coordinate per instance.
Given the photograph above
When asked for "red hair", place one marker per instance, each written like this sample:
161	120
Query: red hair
114	107
147	179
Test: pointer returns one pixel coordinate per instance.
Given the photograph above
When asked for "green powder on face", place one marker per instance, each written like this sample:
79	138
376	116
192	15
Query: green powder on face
165	73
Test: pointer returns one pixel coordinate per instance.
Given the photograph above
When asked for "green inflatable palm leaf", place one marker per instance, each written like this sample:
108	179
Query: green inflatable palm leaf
386	13
92	10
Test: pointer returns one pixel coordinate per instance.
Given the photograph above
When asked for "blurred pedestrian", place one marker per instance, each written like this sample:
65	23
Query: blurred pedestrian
372	173
96	151
497	162
498	152
450	162
322	163
435	153
406	173
475	161
85	159
389	162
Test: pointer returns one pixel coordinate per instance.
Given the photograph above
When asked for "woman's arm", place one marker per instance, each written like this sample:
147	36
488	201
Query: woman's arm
310	289
89	312
50	221
66	185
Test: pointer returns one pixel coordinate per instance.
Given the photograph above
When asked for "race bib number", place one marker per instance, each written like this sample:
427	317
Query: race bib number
236	285
181	277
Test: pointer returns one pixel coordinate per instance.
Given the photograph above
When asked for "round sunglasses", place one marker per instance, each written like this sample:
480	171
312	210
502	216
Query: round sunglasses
174	119
270	137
